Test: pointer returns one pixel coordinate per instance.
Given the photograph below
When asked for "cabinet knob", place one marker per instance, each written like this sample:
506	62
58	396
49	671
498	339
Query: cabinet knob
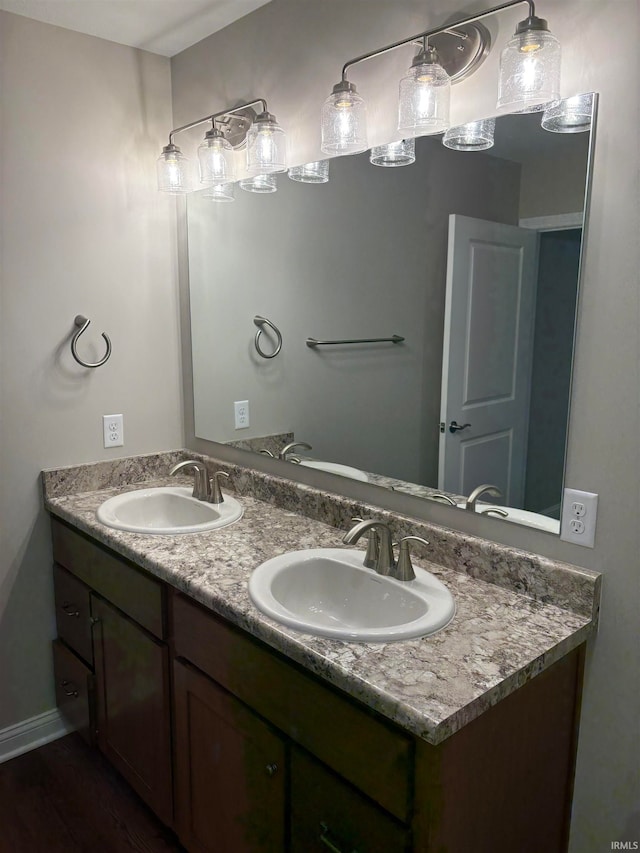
271	769
71	609
69	688
94	620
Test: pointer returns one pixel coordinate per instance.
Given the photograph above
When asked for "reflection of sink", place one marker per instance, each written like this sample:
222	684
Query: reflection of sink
328	592
336	468
520	516
169	509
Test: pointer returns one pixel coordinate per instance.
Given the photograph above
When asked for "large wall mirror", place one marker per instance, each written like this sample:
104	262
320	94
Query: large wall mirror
472	258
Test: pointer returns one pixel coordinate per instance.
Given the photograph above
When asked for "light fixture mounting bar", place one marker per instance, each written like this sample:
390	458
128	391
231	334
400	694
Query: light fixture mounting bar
436	31
214	116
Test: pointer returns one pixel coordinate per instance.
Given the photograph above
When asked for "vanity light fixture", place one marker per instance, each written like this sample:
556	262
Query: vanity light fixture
221	192
529	78
311	173
401	153
259	184
264	138
474	136
572	115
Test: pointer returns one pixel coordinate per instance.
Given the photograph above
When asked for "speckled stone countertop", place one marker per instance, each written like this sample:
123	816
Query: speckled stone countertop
432	686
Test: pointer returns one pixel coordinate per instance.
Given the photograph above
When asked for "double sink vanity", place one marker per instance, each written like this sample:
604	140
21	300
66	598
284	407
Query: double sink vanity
264	690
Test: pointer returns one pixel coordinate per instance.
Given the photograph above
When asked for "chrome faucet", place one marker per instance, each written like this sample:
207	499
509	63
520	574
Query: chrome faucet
200	477
286	450
486	489
445	499
385	563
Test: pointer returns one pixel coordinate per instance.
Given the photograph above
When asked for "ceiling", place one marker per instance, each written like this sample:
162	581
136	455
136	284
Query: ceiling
160	26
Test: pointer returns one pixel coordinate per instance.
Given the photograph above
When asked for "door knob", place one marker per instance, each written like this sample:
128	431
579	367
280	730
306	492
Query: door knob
454	426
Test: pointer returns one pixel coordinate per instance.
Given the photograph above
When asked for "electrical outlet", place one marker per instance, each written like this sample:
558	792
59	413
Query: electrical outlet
579	512
113	430
241	414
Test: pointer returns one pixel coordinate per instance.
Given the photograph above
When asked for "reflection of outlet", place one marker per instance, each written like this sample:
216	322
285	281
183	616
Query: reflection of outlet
113	430
241	414
579	511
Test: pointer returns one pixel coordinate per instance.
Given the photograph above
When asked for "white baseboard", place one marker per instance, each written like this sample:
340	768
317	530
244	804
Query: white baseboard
32	733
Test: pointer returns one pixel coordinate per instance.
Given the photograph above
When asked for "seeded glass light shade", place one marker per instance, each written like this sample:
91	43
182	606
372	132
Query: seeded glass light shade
311	173
221	192
172	169
401	153
529	69
259	184
215	156
266	146
572	115
474	136
344	121
423	107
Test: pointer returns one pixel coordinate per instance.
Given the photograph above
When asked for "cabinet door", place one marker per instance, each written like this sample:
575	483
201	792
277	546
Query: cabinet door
328	814
72	613
230	771
132	692
74	691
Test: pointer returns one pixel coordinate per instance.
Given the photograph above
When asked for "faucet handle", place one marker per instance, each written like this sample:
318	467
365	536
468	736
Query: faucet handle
373	546
266	452
284	453
215	494
404	568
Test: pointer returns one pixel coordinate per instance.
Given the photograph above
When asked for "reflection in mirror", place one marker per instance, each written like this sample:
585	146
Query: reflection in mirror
472	258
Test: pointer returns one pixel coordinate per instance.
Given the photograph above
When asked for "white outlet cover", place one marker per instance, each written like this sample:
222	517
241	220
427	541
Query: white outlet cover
113	430
579	507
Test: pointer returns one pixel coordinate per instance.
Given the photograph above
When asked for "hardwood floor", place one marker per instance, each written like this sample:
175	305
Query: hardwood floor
65	798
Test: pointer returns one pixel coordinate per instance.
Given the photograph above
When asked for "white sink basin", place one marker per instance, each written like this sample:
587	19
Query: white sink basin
328	592
336	468
166	510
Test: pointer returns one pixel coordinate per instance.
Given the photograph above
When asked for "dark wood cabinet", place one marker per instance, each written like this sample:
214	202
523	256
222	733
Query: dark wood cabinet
111	663
133	707
230	771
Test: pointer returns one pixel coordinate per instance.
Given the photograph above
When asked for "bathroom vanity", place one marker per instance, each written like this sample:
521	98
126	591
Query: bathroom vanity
245	735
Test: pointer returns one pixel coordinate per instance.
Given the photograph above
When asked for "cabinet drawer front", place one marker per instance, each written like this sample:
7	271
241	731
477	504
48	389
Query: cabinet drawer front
74	691
73	613
130	589
328	814
358	745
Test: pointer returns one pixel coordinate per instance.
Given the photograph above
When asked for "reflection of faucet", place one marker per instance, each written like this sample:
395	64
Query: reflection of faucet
444	498
493	510
486	489
200	477
284	453
385	564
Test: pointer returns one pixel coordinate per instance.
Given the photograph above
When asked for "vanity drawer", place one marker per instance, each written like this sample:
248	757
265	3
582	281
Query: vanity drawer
74	691
329	814
357	744
73	613
131	590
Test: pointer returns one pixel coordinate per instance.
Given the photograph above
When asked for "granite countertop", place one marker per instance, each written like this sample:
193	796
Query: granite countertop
432	686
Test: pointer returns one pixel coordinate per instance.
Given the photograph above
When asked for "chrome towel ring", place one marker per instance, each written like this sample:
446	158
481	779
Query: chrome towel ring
261	322
83	324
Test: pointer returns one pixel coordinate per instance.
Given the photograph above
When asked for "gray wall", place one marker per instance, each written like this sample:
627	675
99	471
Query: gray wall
82	230
362	256
291	53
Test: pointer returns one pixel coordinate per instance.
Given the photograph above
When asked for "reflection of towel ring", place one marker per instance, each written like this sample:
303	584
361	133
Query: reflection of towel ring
84	324
260	323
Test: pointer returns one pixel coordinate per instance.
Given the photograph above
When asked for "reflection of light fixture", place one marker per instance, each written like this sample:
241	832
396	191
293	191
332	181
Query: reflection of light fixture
265	148
215	156
529	68
311	173
259	184
344	121
423	105
401	153
572	115
474	136
529	78
173	171
221	192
